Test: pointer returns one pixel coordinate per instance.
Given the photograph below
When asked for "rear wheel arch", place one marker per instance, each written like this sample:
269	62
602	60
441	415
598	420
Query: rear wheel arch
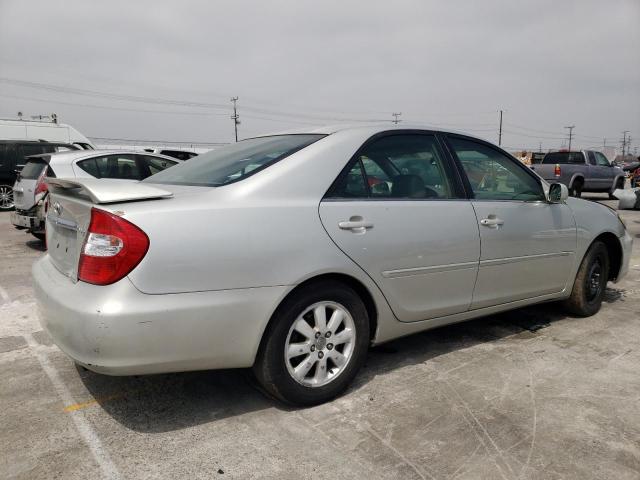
337	278
576	179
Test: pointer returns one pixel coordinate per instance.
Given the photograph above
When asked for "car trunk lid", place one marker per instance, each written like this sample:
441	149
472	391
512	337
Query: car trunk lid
69	213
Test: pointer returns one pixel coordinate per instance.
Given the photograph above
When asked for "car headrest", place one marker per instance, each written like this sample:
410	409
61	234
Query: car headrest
408	186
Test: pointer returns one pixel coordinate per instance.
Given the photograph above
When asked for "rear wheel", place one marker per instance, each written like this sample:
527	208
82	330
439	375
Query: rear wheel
590	282
315	346
576	189
6	197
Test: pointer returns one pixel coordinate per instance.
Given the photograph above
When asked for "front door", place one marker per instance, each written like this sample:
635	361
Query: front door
527	244
399	212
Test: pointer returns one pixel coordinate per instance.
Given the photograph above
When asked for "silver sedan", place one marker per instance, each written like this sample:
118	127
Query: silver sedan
293	253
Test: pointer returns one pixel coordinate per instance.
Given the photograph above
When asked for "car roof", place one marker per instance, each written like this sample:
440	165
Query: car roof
371	128
75	155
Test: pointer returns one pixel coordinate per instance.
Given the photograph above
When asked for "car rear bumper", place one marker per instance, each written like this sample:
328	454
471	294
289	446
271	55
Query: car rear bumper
20	220
117	330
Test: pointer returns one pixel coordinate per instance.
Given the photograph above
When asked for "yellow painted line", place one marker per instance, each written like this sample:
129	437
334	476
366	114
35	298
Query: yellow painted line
90	403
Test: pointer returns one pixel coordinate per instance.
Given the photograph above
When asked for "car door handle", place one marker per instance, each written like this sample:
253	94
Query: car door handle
491	222
356	224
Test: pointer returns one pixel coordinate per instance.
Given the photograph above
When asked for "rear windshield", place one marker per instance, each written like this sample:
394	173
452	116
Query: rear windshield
32	169
564	157
233	162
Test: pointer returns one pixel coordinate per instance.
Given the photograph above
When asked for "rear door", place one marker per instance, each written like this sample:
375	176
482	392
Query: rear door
398	210
527	244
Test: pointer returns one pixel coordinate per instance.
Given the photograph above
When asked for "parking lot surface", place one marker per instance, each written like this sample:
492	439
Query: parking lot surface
530	394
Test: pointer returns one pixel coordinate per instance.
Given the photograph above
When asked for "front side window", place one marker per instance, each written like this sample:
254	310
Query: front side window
234	162
405	166
601	159
493	175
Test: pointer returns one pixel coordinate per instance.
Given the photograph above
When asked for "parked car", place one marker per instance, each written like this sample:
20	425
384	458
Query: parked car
581	171
279	253
12	159
31	191
179	154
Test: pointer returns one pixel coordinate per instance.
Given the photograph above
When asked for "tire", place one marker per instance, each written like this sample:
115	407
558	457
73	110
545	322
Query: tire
590	282
576	189
6	197
619	184
276	371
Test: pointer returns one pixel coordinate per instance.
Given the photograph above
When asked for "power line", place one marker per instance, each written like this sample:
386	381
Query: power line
106	107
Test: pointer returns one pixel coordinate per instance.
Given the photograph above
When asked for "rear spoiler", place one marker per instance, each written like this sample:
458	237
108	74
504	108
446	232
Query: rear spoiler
108	190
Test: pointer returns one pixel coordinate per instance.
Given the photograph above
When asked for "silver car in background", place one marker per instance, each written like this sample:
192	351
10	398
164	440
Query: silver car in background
31	191
293	253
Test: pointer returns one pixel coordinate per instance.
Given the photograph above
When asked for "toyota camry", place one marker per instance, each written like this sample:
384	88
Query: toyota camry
293	253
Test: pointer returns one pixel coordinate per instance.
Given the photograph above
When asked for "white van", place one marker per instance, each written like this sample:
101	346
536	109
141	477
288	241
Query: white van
47	131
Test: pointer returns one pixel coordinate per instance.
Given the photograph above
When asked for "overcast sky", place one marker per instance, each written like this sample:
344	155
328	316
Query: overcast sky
548	64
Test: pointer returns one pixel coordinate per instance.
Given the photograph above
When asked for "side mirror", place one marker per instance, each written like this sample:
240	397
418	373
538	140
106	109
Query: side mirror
558	193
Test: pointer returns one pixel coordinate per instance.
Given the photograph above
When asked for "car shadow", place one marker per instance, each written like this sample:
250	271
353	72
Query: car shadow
161	403
37	245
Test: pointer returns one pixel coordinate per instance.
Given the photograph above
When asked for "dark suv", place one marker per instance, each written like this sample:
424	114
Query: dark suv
12	154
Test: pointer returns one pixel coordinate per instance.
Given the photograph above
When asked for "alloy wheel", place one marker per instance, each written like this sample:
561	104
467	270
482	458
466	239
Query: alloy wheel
320	344
6	197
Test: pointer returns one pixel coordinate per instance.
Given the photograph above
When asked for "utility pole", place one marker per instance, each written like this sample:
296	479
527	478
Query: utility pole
396	118
604	143
570	134
235	117
540	149
624	141
500	130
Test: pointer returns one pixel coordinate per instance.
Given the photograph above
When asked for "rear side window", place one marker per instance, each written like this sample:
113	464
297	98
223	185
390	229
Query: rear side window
33	169
112	166
564	158
397	166
234	162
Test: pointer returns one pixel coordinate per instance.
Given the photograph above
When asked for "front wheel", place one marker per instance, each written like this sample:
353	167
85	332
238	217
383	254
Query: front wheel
316	344
6	197
590	282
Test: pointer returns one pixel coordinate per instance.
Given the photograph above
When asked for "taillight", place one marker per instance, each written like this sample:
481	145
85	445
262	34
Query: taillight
41	186
557	171
113	247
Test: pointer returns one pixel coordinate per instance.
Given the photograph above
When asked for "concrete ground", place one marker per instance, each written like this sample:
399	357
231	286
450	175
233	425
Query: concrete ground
532	394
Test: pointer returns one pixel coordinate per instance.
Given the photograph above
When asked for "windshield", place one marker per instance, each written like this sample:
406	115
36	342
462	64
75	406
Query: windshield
233	162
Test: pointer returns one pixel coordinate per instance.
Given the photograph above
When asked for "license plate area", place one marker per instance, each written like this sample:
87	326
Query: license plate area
62	244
